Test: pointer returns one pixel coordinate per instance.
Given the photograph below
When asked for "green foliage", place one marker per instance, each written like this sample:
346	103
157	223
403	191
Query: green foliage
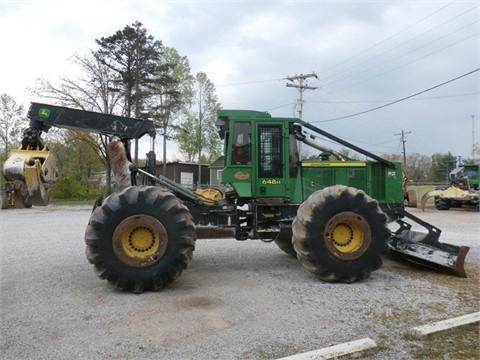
68	188
77	155
12	121
135	57
422	168
418	167
442	164
199	133
170	92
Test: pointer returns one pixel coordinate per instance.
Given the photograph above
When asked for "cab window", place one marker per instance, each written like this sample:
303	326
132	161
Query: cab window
242	141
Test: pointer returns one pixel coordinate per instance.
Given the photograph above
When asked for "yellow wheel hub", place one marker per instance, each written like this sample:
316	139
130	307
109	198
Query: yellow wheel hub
347	235
140	240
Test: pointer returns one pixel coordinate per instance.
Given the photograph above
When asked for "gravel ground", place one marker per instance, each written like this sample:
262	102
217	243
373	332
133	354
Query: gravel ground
237	300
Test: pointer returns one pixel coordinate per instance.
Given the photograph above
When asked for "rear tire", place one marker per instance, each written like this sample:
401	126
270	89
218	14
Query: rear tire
284	242
140	239
339	234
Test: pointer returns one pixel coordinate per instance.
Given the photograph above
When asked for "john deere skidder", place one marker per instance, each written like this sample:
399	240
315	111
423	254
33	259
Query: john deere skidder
332	214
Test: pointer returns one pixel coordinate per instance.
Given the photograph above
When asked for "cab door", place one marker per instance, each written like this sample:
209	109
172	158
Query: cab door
271	166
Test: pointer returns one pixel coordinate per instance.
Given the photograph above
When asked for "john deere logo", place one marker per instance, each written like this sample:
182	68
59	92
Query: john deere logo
240	175
44	113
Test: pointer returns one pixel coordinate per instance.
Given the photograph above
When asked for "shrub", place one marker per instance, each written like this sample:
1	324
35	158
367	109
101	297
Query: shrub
68	188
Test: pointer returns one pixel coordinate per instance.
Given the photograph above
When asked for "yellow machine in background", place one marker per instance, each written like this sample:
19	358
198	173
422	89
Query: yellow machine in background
463	190
29	173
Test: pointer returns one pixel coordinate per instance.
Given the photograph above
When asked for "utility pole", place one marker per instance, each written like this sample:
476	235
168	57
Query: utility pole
403	140
301	86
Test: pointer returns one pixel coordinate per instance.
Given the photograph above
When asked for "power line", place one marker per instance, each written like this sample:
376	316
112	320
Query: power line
392	69
399	100
406	63
280	106
249	82
402	44
410	62
407	53
383	101
391	36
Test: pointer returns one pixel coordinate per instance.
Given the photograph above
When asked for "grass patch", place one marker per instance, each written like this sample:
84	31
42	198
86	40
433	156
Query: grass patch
420	190
395	316
460	343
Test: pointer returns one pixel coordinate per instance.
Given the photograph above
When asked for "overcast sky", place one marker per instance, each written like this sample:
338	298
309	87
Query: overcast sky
365	53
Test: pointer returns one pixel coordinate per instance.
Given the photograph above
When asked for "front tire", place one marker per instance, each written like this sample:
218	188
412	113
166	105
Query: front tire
3	200
339	234
140	239
21	197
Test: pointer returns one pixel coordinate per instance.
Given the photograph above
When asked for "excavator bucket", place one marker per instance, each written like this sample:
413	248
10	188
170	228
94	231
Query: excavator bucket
425	248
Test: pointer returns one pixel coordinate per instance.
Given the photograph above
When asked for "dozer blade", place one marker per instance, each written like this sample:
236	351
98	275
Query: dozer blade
425	249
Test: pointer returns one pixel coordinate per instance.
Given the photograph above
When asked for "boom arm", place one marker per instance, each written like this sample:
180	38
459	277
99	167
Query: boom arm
43	117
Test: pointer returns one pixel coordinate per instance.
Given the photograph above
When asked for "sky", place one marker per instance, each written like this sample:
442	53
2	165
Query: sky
422	56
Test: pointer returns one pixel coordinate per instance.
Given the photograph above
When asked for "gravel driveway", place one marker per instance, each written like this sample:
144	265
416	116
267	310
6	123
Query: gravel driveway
237	300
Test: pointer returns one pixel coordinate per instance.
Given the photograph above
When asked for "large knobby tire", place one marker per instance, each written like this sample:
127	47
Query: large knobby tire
21	197
3	200
284	242
442	203
140	239
339	234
